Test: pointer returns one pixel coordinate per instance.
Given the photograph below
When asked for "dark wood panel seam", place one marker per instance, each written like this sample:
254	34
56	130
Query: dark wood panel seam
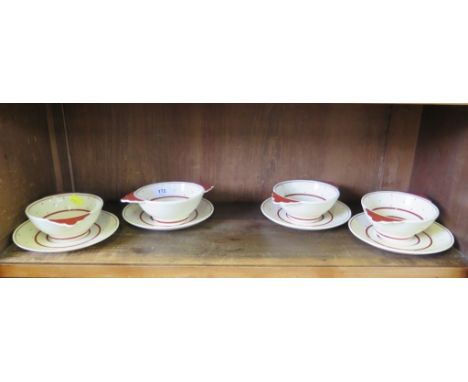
59	148
400	147
410	182
385	146
56	163
67	144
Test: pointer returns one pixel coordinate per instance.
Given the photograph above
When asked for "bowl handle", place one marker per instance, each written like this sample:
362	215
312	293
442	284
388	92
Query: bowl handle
380	218
131	198
207	187
281	199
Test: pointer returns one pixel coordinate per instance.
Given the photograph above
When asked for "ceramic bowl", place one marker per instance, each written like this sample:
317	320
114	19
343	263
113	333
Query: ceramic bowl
65	216
305	199
411	214
168	202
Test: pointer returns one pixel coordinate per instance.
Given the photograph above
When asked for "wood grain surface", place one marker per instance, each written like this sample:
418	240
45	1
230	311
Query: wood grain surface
236	241
25	163
244	149
441	166
400	147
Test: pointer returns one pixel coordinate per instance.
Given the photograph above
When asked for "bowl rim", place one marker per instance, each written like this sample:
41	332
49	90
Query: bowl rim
202	191
334	188
435	209
31	205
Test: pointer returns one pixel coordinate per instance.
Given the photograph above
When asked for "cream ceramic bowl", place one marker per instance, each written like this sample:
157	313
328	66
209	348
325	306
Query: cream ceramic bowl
413	213
168	202
305	199
65	216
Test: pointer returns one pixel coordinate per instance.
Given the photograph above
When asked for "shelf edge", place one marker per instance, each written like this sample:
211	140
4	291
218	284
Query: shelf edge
93	270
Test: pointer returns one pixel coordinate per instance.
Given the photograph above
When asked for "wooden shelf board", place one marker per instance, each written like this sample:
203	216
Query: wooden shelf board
237	241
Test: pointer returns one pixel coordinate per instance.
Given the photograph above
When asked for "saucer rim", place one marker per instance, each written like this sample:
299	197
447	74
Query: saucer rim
403	251
305	228
174	227
98	239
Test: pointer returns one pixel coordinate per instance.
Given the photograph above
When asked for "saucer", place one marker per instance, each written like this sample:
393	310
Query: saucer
435	239
134	215
28	237
336	216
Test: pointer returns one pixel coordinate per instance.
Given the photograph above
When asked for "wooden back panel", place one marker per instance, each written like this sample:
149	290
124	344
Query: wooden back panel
441	166
244	149
26	169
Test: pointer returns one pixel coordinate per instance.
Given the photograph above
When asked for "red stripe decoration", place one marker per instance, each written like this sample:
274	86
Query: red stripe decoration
305	220
381	218
400	248
399	209
169	196
277	198
169	222
36	239
68	238
398	238
70	221
52	197
327	214
59	212
143	216
131	197
304	194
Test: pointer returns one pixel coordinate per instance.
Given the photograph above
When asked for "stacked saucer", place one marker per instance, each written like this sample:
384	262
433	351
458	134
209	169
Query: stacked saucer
307	205
134	215
167	206
402	223
65	222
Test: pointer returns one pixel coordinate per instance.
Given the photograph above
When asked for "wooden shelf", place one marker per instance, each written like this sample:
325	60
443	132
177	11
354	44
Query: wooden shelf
237	241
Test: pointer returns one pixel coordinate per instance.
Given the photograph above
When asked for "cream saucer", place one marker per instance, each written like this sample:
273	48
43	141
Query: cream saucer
28	237
134	215
435	239
336	216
